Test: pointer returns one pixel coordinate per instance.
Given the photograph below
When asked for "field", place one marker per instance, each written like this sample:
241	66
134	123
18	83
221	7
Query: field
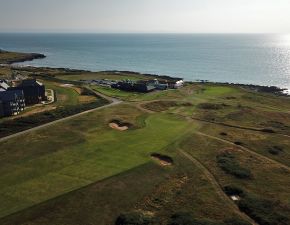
221	141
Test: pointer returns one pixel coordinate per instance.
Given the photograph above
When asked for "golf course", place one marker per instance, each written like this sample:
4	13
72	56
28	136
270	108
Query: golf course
206	153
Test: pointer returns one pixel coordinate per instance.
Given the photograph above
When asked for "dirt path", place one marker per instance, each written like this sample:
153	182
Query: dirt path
217	186
266	159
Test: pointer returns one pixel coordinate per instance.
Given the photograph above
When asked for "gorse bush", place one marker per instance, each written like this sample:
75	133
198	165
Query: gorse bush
233	190
236	221
134	218
184	218
264	211
228	163
211	106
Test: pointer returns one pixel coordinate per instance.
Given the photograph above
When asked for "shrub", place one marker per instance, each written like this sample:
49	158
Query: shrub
238	143
133	218
263	211
184	218
210	106
228	163
268	130
236	221
275	150
233	190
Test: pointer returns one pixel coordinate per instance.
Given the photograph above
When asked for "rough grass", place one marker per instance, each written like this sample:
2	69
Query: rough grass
83	164
270	180
230	165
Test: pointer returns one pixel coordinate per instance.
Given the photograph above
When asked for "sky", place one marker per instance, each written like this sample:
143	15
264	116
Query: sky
145	16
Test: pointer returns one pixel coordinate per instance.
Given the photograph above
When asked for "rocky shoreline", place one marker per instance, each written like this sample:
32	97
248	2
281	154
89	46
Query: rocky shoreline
258	88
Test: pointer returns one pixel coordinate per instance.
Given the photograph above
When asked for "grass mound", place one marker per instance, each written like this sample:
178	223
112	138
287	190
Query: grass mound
228	163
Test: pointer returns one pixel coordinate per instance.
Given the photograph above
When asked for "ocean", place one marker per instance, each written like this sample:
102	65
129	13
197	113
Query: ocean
261	59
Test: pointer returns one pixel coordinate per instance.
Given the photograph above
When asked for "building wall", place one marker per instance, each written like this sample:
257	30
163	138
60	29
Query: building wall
32	94
1	109
12	102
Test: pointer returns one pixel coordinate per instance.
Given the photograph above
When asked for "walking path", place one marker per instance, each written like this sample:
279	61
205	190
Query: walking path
272	161
113	102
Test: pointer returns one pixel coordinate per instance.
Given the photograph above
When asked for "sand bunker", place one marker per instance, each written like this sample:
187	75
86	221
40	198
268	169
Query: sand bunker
118	125
162	159
67	85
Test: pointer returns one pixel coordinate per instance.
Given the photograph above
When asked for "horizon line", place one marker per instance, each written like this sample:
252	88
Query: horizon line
96	32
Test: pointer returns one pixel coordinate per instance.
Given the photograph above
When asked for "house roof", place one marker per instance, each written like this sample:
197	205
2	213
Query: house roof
30	82
3	85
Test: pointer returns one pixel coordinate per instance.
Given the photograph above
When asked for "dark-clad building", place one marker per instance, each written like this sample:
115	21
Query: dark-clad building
139	86
11	102
1	109
34	91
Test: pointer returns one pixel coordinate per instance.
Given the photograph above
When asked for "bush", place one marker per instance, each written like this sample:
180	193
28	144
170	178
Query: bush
233	190
228	163
264	211
184	218
211	106
275	150
236	221
133	218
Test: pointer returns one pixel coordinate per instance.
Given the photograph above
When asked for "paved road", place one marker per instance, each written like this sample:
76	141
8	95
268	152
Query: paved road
113	101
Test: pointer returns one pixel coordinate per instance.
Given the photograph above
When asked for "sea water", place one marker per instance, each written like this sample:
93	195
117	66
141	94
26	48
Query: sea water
262	59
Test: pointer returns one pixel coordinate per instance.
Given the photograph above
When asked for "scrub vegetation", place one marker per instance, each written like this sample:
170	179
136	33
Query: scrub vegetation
214	138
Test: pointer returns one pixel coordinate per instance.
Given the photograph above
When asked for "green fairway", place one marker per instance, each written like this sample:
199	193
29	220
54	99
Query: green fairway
39	172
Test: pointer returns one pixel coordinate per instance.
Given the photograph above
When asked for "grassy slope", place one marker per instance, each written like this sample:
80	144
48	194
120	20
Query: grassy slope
85	150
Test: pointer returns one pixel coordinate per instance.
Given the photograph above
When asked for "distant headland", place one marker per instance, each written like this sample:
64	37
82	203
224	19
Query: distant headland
15	57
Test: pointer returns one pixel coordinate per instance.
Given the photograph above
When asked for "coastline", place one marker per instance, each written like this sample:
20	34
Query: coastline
26	57
254	87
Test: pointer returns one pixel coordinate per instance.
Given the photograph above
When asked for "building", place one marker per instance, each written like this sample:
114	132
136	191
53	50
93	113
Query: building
159	85
175	84
139	86
12	102
34	91
1	109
